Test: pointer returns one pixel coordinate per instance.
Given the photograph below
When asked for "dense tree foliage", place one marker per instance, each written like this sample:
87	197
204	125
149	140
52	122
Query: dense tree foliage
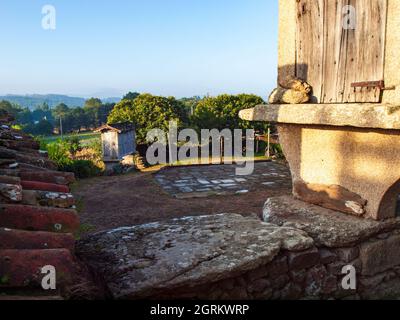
22	115
43	127
131	96
42	112
145	110
222	112
9	108
43	120
149	112
91	116
190	104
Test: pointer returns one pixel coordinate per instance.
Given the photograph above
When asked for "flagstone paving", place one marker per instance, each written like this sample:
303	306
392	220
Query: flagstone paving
202	181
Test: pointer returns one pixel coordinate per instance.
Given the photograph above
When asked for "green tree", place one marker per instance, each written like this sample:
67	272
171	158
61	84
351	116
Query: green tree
149	112
93	103
41	112
190	104
131	96
93	108
10	108
60	113
222	112
24	117
42	128
80	119
105	110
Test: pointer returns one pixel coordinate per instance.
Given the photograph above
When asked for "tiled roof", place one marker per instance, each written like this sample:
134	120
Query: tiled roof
37	215
117	127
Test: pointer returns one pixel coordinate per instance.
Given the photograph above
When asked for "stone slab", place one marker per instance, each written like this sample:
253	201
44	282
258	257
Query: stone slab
361	115
142	261
328	228
216	180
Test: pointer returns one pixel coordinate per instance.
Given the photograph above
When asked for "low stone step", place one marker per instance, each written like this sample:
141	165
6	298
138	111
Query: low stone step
38	218
23	268
20	239
44	186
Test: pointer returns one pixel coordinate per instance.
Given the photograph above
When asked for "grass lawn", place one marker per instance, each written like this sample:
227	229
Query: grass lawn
85	138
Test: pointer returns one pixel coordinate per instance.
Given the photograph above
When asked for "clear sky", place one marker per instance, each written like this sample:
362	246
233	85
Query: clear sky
164	47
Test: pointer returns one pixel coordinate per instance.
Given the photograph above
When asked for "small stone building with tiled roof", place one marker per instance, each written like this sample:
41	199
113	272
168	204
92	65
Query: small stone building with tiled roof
118	140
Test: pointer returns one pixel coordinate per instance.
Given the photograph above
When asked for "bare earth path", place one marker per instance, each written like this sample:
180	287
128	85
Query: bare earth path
111	202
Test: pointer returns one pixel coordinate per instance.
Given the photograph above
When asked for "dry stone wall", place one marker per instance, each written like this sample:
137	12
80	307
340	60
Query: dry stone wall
298	253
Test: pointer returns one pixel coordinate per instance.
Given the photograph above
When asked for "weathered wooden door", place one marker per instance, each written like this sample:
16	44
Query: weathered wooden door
340	48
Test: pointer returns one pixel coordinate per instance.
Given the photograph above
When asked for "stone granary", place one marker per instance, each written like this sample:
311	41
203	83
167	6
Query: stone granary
118	140
344	146
343	149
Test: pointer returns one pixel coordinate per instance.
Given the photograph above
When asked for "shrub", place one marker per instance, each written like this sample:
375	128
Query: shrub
82	169
96	147
74	144
59	152
92	155
70	157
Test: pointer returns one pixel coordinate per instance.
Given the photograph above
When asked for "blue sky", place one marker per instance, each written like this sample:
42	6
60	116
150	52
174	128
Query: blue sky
165	47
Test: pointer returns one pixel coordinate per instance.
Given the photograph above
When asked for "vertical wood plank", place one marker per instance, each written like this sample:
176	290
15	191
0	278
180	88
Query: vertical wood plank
309	44
365	50
331	57
352	70
335	49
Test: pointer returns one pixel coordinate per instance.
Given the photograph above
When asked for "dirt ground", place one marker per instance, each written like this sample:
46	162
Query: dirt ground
109	202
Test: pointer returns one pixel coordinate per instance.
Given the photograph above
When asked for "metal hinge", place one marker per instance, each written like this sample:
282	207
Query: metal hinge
372	84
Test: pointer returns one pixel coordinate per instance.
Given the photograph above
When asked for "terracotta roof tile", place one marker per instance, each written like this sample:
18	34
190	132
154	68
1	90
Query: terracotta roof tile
37	214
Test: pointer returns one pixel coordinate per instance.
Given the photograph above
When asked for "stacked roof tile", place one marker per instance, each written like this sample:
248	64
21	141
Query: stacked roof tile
37	216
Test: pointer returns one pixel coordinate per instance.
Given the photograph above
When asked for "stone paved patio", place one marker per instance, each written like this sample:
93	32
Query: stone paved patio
203	181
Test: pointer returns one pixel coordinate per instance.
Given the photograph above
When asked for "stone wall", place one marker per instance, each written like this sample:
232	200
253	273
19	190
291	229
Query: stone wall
311	274
299	253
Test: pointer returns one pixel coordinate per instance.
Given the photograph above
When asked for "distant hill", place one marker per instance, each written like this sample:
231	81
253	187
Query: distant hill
31	101
111	100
